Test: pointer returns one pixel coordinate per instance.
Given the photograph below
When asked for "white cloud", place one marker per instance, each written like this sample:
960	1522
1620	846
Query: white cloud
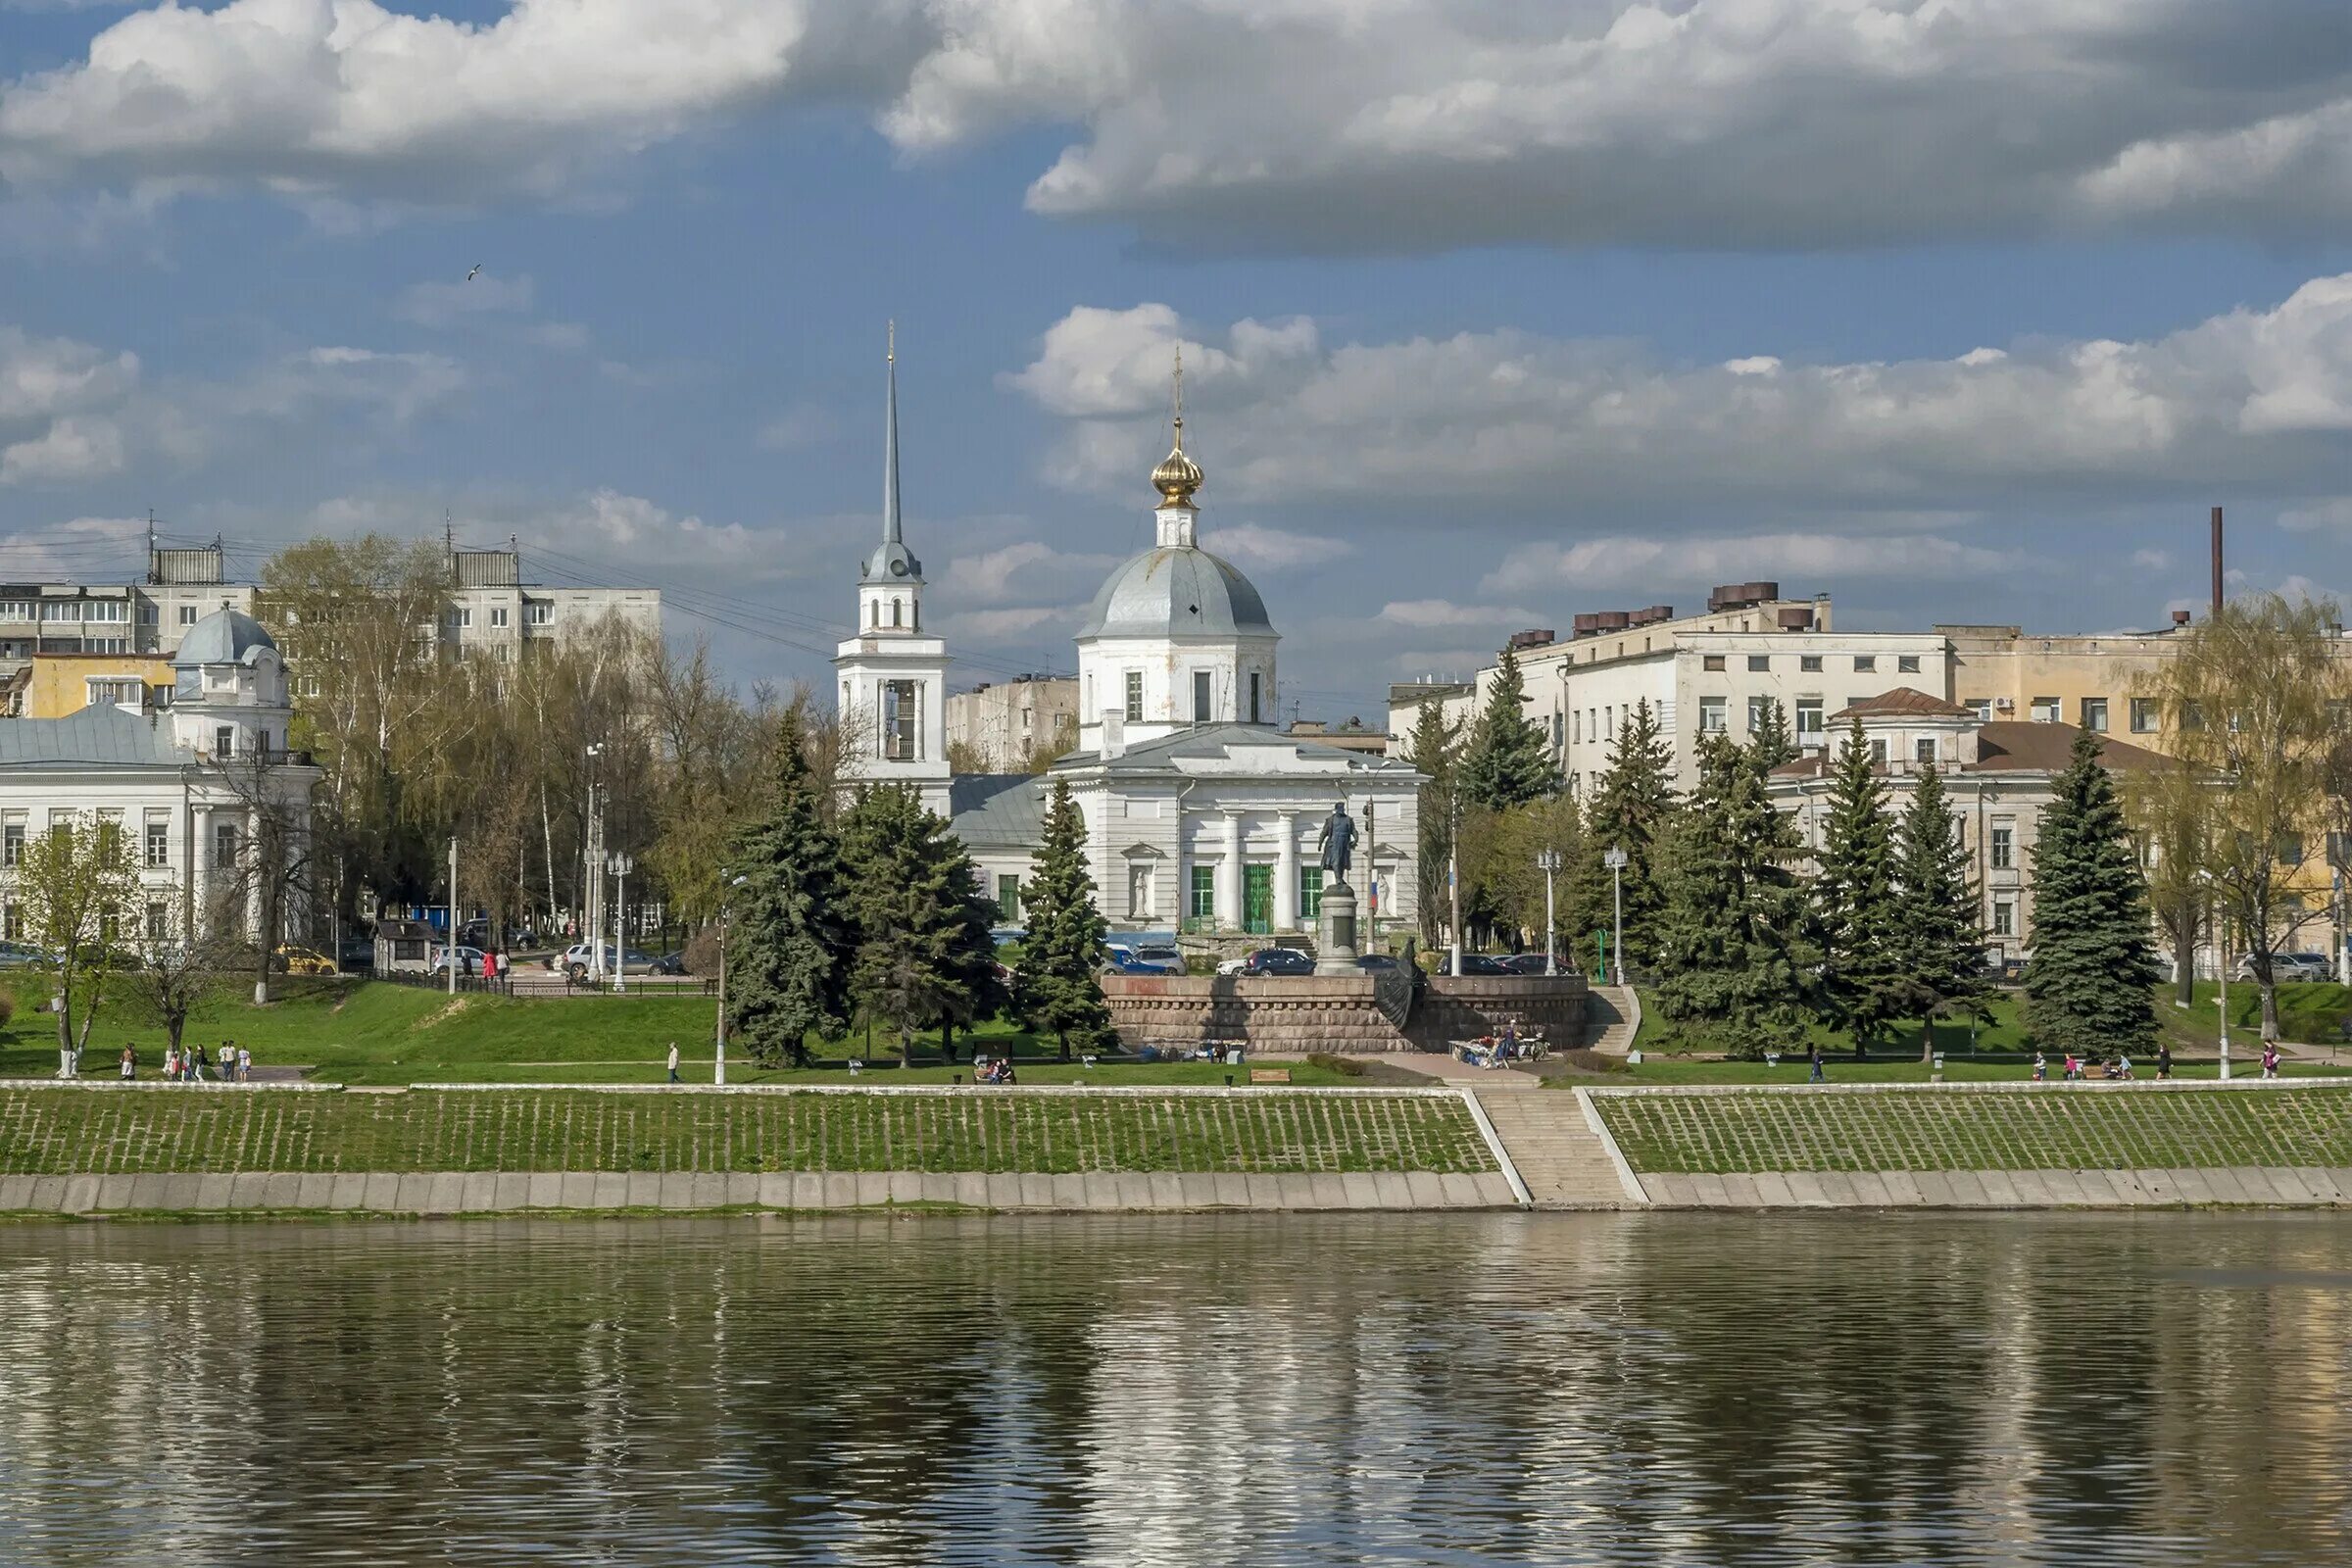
2255	399
2332	514
1317	124
801	426
444	304
2152	560
995	626
1276	549
1430	614
1646	562
59	403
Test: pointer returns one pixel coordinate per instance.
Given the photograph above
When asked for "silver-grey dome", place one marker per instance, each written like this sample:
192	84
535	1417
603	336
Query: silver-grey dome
1177	592
225	637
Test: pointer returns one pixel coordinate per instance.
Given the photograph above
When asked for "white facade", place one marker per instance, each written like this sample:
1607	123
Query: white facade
185	786
1697	675
1201	814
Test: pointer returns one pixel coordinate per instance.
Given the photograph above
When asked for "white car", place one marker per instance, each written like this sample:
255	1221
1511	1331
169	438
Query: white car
470	960
2285	968
577	960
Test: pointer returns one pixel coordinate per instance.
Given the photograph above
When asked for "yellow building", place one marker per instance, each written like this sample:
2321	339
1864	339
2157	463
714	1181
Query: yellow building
59	685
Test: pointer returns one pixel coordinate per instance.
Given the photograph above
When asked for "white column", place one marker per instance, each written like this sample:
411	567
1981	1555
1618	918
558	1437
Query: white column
1184	874
1229	875
1286	875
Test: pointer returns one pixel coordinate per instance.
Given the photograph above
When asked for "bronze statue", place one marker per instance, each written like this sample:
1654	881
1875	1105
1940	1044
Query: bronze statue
1338	841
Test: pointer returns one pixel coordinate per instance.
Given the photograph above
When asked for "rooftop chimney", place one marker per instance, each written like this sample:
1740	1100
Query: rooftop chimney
2216	560
2179	617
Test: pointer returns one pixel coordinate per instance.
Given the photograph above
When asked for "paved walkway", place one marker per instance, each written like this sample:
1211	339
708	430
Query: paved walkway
1453	1071
1614	1018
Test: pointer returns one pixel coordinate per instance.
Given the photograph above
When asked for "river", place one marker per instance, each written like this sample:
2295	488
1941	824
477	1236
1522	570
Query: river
1250	1390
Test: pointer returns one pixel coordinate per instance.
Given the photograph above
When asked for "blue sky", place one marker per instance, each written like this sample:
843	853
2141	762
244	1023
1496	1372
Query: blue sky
1496	311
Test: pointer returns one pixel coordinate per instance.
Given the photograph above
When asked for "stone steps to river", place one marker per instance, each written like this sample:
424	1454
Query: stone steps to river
1561	1159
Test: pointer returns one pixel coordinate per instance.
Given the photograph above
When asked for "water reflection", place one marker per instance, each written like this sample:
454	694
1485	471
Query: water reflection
1607	1389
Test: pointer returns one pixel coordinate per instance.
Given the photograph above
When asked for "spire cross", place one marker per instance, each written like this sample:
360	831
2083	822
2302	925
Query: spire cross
890	351
1180	397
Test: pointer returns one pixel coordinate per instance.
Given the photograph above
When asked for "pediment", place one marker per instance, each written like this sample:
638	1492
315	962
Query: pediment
1143	852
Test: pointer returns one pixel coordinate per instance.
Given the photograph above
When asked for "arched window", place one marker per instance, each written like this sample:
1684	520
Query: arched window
873	613
895	606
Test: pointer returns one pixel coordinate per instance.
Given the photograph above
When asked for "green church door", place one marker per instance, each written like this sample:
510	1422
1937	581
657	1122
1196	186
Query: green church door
1258	899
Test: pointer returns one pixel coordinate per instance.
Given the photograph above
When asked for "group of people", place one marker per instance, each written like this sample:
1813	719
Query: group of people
998	1071
2077	1069
234	1065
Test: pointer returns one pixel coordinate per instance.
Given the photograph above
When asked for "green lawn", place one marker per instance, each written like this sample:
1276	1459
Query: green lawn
372	1033
162	1128
2062	1128
2307	1012
1665	1071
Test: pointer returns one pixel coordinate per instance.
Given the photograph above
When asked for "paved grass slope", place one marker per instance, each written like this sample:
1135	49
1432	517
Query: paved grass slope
2054	1127
166	1128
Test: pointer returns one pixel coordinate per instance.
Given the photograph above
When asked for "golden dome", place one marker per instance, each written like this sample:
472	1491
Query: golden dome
1178	475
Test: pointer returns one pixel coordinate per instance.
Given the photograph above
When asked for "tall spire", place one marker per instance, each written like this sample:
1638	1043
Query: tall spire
893	558
890	437
1178	475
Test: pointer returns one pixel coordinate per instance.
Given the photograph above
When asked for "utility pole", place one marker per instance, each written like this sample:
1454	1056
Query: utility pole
450	953
591	866
1548	861
727	893
1453	889
619	864
1615	860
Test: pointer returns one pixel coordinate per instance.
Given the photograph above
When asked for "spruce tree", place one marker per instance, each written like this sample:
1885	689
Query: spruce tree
1943	945
1630	805
914	892
1733	953
1772	742
2087	984
1058	985
790	937
1859	920
1507	761
1432	752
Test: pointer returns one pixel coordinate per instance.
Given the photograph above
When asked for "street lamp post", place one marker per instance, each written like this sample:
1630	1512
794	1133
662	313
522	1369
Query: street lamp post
1616	861
620	865
1548	861
2220	921
592	858
726	889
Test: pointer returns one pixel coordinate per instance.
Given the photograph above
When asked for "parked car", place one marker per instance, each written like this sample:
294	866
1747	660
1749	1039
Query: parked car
1474	964
21	955
1123	961
1373	962
355	953
667	963
293	959
1277	961
2285	968
1524	962
577	960
470	960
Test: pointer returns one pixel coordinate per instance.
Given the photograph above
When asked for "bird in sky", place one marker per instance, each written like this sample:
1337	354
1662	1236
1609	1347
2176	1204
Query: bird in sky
476	273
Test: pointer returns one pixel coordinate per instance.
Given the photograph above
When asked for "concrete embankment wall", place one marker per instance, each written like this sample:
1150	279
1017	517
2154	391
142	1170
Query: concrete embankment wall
1988	1146
1337	1013
104	1148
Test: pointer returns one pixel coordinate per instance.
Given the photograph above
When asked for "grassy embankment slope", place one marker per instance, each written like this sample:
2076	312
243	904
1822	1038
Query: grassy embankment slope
165	1128
370	1033
2060	1127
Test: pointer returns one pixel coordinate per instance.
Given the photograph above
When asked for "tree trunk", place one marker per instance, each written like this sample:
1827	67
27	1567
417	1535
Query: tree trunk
946	1039
905	1046
1927	1039
1063	1036
2269	1008
2185	959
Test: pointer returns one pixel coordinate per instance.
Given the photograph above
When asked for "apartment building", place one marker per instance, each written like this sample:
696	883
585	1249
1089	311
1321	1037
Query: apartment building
1008	723
1702	674
490	605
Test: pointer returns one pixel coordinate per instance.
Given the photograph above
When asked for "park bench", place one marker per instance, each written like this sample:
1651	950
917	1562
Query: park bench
1270	1075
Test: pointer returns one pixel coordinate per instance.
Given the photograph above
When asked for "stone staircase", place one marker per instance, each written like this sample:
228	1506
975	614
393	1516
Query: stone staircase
1561	1159
1612	1016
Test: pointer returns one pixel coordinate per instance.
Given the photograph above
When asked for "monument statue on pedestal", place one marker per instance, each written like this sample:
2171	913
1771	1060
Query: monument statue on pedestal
1335	948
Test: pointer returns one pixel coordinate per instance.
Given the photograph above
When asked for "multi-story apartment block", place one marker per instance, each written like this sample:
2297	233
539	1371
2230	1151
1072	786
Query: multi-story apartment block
1006	726
489	606
1704	674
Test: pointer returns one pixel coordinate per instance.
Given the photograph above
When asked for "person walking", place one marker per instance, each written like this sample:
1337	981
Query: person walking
1815	1058
2041	1068
171	1064
2163	1063
673	1061
2269	1060
202	1060
244	1065
131	1064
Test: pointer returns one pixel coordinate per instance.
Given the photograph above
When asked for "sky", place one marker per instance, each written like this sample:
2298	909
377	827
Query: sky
1492	311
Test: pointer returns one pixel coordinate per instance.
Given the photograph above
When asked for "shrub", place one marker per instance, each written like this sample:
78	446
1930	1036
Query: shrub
1344	1066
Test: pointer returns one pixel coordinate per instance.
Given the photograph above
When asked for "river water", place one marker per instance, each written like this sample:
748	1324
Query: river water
1259	1390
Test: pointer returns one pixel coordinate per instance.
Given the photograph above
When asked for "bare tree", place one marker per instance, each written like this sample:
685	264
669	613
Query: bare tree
177	968
75	882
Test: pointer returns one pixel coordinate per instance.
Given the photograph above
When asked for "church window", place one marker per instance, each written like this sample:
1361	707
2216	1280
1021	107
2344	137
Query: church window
1255	696
1204	701
895	608
1135	697
224	741
901	717
1204	893
1310	892
873	613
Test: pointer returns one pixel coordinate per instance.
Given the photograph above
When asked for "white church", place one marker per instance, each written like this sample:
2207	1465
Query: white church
1201	816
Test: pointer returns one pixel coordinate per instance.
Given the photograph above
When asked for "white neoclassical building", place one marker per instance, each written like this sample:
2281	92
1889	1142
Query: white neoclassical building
183	783
1201	814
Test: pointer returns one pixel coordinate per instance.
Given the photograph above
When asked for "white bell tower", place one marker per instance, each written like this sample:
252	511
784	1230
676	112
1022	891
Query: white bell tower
893	675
